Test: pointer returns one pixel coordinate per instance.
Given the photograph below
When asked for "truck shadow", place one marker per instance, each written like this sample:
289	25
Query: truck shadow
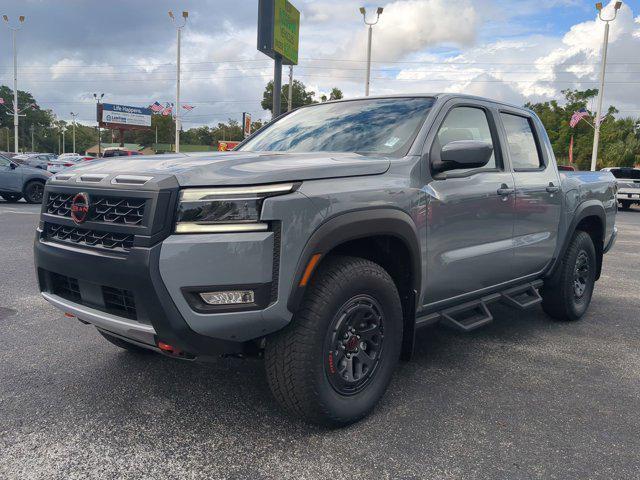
209	397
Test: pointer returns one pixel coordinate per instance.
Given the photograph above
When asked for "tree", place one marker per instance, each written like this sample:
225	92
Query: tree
336	94
300	96
619	140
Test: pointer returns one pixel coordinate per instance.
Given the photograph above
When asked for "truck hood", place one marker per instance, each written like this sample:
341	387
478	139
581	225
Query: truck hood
239	168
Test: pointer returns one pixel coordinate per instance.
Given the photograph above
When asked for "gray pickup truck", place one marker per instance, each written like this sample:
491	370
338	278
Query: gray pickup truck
326	240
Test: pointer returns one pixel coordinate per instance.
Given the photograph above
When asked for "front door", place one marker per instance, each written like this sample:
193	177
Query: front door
10	177
470	216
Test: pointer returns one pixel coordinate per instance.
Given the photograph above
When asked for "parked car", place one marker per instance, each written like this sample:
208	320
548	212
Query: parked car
66	161
628	180
18	181
326	239
36	160
119	152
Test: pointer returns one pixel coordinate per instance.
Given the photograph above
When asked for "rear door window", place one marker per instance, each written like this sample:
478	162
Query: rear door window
521	141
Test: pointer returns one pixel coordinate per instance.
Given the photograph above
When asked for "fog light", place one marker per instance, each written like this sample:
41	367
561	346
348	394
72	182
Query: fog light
234	297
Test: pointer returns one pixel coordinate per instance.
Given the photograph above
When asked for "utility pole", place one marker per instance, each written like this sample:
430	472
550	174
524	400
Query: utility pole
63	151
73	116
14	30
290	98
605	44
155	147
179	27
98	98
363	11
33	149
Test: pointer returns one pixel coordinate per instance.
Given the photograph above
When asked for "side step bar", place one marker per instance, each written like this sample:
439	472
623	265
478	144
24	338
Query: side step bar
474	314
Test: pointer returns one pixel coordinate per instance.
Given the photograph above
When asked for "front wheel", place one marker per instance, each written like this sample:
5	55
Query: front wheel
568	294
333	363
34	191
625	205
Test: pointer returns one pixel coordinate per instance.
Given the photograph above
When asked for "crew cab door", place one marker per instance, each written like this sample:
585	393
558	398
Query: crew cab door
10	176
538	202
470	213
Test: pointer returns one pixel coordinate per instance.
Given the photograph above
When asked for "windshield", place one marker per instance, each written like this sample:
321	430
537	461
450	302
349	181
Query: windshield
385	126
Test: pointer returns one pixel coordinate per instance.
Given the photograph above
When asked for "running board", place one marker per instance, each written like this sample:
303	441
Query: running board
474	314
467	317
522	297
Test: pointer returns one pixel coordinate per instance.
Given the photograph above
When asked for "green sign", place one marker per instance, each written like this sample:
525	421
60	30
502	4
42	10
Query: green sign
286	32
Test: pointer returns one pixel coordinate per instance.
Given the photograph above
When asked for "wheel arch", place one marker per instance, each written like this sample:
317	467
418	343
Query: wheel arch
386	236
590	217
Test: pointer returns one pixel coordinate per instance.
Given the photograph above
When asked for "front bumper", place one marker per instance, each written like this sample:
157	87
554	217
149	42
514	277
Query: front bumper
156	316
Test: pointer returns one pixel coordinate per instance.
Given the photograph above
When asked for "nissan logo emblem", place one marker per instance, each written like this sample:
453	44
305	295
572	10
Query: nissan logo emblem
80	207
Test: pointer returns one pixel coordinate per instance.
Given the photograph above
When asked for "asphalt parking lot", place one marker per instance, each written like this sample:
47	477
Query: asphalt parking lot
522	398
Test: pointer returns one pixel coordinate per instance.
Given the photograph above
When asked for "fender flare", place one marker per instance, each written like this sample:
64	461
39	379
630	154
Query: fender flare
589	208
353	225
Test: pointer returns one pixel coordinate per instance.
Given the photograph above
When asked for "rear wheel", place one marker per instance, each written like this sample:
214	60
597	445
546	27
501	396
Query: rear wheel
625	205
568	294
333	363
118	342
34	191
11	197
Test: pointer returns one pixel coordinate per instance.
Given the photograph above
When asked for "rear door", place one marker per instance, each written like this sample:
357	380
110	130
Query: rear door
470	212
538	200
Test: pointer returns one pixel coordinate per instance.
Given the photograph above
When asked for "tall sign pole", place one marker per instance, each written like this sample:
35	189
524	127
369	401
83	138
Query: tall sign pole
179	27
605	44
278	37
290	99
14	31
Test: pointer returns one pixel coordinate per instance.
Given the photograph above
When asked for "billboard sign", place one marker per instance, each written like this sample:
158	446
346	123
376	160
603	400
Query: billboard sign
246	124
123	116
279	30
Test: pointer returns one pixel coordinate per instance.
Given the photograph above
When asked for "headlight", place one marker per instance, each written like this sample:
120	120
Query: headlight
215	210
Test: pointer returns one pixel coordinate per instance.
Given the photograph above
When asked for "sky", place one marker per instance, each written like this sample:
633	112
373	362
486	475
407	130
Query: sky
510	50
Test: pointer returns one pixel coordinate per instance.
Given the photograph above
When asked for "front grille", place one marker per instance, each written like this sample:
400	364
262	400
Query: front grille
65	287
115	301
115	210
89	238
119	302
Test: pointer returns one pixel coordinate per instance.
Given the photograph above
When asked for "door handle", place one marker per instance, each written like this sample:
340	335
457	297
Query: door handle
552	188
505	191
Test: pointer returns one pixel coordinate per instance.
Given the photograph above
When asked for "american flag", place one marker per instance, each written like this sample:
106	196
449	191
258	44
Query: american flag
167	111
156	107
188	107
577	116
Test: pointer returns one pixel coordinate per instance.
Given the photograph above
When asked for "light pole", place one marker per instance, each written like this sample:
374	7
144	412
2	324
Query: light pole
363	11
605	44
73	116
179	25
14	29
98	98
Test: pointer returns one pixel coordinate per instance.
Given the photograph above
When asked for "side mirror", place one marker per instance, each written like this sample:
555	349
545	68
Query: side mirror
13	166
463	154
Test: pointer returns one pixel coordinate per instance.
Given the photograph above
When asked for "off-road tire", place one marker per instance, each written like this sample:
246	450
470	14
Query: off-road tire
34	191
124	345
11	197
297	357
560	294
625	205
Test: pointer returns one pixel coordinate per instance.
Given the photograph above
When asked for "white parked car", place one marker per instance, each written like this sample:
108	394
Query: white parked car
67	160
628	180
